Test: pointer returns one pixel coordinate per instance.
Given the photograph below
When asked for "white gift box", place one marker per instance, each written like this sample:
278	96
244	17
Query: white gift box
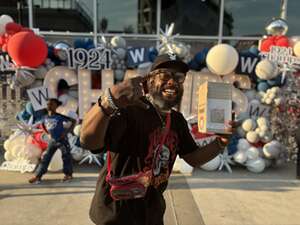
214	107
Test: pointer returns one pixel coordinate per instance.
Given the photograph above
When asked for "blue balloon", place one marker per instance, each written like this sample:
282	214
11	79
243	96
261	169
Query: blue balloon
263	86
88	47
254	50
152	54
232	145
271	82
79	43
29	108
200	57
279	82
50	51
23	115
193	65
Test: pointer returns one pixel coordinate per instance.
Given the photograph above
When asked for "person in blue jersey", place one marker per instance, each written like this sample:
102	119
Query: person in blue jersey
57	126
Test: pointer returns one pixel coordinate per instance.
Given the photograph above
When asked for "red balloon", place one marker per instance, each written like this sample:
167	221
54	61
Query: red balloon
2	40
267	43
27	49
38	140
27	29
13	28
4	48
282	41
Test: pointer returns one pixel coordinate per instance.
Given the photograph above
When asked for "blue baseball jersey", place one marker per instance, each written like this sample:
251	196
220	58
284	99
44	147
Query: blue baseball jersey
54	125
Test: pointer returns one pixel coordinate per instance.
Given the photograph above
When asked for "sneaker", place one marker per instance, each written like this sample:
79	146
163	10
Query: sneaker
35	180
67	178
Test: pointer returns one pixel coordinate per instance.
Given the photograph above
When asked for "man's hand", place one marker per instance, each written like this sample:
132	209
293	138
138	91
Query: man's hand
231	127
129	92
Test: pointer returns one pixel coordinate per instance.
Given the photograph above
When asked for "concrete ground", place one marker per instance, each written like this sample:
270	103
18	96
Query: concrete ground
210	198
245	198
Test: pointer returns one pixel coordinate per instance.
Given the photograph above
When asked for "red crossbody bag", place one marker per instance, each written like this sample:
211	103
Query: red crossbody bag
135	185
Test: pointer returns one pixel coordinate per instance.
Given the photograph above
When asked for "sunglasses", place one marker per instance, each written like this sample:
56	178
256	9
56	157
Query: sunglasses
165	75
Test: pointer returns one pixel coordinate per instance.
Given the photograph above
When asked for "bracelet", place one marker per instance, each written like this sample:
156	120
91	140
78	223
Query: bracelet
103	109
107	93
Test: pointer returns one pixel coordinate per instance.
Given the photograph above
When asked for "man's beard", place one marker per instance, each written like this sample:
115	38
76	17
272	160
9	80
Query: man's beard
162	102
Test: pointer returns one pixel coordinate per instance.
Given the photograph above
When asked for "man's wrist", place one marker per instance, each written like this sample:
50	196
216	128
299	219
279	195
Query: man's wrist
105	106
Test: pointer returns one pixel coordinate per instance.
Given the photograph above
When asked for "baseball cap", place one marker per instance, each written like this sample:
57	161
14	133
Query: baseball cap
169	61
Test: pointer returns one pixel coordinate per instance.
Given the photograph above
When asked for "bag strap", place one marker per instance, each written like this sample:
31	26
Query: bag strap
163	139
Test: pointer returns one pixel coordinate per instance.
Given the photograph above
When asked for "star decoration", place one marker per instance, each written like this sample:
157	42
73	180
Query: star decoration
286	68
90	158
25	128
226	160
167	38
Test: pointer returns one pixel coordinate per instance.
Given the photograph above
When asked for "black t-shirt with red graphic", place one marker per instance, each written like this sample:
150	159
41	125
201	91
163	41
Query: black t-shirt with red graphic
132	137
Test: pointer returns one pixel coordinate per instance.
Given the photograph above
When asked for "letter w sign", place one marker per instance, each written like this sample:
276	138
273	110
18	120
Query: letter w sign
39	97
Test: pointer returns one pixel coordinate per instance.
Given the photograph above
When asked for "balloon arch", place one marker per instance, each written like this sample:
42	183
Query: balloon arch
265	81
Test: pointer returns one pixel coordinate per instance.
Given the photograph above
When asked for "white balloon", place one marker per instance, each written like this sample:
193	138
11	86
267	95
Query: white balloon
240	156
267	138
185	167
252	137
76	130
6	144
222	59
243	144
4	19
256	165
248	125
268	101
297	49
241	132
56	163
121	53
277	101
262	133
77	153
8	156
16	149
32	153
263	128
266	70
118	42
268	162
252	153
212	164
262	121
271	150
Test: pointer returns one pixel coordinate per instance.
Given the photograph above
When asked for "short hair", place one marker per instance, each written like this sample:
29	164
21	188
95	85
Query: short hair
58	103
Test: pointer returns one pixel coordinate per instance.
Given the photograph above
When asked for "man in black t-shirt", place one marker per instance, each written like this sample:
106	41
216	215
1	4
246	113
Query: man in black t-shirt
135	122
